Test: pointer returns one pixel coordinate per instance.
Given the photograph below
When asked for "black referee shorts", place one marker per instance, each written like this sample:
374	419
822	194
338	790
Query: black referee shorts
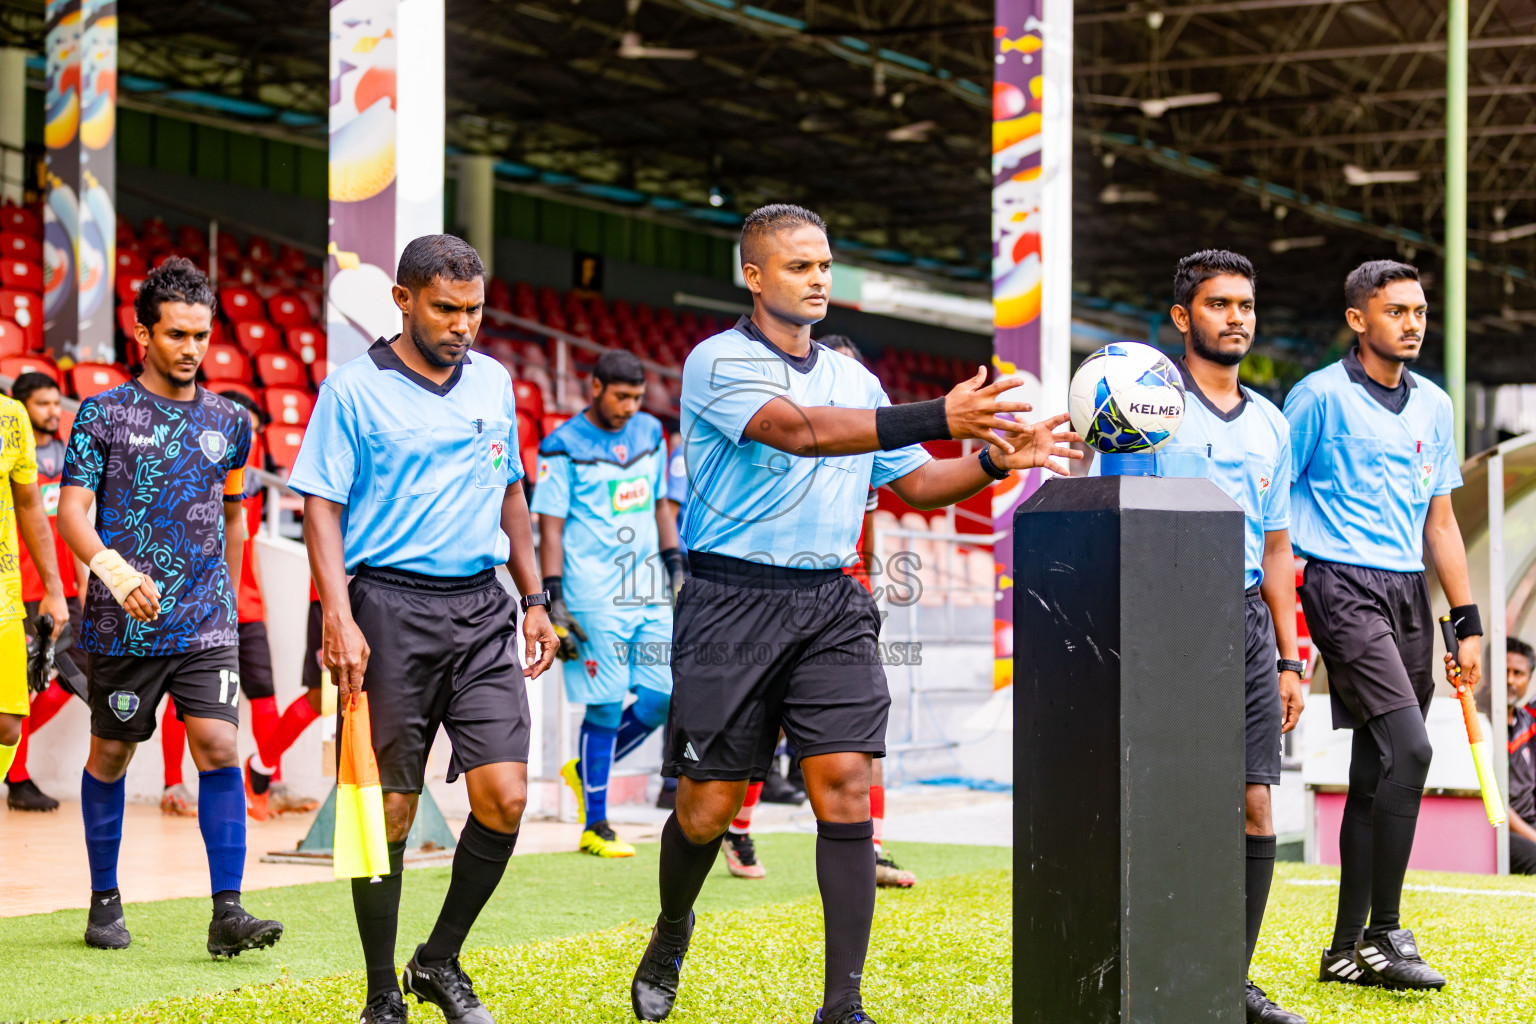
255	662
1262	677
754	649
1376	635
313	631
442	652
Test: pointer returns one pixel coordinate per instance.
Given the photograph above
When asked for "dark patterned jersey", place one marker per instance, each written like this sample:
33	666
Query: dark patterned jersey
161	471
1522	763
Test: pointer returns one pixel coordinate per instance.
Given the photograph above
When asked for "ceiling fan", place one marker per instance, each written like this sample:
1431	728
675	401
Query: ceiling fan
1157	107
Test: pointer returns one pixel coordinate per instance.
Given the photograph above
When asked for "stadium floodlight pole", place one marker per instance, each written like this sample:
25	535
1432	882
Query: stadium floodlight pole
1456	218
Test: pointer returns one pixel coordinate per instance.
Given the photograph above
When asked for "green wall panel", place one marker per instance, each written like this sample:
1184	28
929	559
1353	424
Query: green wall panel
173	145
282	167
246	160
589	229
211	153
557	226
314	174
135	137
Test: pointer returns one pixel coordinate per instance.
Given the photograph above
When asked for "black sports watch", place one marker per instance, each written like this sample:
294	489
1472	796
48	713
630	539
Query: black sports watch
1288	665
541	598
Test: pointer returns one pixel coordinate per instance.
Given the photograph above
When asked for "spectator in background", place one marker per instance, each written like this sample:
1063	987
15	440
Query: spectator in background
1519	659
39	393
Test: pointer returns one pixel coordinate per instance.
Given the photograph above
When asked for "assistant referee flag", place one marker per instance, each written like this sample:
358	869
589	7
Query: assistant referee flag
360	849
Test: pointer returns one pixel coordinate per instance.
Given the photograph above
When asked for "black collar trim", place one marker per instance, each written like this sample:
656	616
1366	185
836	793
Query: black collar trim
385	358
1394	400
1226	417
801	364
598	459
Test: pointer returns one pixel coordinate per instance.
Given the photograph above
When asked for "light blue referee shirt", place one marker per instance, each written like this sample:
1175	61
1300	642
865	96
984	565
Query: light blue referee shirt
754	502
1247	453
605	485
421	468
1363	473
677	490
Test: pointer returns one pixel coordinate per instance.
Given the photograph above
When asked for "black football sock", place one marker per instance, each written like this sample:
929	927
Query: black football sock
845	874
684	866
1260	872
377	906
226	903
478	865
106	906
1355	843
1393	823
1405	757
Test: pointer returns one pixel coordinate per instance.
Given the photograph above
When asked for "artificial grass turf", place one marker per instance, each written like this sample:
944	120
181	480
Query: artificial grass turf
941	955
543	896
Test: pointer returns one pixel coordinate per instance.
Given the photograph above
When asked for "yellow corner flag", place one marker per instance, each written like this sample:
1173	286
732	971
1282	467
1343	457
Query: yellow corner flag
360	849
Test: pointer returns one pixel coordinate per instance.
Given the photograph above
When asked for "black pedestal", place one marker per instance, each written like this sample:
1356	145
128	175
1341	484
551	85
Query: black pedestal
1128	667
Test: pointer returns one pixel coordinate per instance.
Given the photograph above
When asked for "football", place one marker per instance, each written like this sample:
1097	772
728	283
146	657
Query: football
1125	398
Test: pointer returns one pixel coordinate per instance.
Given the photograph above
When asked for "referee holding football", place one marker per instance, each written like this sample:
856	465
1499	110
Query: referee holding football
412	483
783	439
1374	466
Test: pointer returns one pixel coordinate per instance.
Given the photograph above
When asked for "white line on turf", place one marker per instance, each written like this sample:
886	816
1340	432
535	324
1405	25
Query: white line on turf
1453	890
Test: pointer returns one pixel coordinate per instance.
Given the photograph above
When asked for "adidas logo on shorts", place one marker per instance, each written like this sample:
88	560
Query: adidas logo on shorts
688	752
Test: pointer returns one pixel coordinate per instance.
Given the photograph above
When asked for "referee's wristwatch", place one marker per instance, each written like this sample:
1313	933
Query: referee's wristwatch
1289	665
530	600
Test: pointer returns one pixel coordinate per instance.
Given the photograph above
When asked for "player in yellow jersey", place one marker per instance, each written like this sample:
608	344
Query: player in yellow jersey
21	503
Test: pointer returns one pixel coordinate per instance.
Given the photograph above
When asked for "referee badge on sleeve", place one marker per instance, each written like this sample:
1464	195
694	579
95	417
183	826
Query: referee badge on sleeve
496	453
543	469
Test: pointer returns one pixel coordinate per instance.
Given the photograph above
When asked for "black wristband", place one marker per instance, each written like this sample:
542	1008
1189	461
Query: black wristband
897	426
1466	621
552	584
991	468
675	561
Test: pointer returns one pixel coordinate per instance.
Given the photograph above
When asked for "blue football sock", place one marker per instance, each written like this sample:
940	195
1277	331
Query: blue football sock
101	805
221	817
596	761
643	717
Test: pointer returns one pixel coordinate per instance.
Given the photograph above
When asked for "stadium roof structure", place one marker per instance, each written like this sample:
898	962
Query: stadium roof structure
1306	133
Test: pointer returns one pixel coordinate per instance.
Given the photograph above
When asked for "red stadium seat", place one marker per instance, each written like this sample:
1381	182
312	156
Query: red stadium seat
528	398
23	275
13	340
189	240
226	386
15	366
308	343
239	303
125	321
66	423
14	245
25	310
257	336
283	444
127	286
226	362
288	310
21	220
87	379
317	371
130	264
289	405
281	370
549	421
260	251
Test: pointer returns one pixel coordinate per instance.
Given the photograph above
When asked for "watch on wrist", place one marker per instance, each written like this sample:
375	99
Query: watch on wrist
1291	665
991	468
530	600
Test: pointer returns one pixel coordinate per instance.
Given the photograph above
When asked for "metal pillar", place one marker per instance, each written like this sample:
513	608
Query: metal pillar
13	123
1456	218
476	205
1498	710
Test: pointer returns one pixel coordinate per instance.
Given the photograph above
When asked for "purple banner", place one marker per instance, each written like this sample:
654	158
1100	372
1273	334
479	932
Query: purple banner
1018	145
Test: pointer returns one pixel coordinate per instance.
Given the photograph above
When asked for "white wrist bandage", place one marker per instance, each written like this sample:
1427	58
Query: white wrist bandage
120	577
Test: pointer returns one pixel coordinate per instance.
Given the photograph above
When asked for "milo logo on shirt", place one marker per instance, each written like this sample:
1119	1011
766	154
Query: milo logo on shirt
632	495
